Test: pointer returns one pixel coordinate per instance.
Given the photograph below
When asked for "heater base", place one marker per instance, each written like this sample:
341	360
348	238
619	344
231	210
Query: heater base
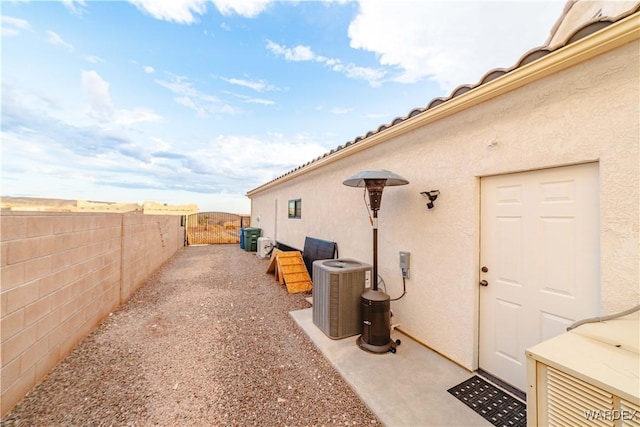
388	347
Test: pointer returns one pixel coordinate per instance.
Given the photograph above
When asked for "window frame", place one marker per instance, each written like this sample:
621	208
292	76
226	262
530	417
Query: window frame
294	209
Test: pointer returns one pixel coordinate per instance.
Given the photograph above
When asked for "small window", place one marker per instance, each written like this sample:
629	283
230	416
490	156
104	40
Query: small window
295	208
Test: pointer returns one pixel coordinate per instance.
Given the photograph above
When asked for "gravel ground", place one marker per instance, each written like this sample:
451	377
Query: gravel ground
206	341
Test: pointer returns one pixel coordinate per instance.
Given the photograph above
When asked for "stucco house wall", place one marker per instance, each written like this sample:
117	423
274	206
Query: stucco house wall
587	112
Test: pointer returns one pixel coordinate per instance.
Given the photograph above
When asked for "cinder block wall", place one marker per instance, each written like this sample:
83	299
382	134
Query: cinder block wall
60	275
148	241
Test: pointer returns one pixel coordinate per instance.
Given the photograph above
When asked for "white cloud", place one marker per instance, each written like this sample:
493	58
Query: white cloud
179	11
71	5
372	75
54	39
203	104
13	26
305	53
187	102
452	43
149	69
121	164
297	53
181	85
128	117
251	100
221	156
258	86
97	91
260	101
101	105
246	8
187	11
93	59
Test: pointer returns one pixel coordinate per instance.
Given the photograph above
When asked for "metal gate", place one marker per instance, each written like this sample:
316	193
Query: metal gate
206	228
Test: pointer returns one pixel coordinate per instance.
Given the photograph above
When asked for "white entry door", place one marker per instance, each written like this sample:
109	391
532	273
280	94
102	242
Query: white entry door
540	249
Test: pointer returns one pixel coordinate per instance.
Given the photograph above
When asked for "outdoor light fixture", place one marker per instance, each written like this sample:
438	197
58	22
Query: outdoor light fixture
376	305
432	196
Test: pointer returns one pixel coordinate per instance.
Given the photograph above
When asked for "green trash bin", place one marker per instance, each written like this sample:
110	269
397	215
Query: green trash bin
251	239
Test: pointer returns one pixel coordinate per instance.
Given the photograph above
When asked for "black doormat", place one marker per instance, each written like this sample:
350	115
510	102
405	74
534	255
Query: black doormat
491	403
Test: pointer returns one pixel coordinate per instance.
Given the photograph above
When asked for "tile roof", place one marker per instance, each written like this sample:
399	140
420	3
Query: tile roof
530	56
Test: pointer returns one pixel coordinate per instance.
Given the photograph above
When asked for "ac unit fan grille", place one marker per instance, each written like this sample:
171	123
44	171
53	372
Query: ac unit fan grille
570	400
632	414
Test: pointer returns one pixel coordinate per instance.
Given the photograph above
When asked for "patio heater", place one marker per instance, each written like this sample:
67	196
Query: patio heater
375	304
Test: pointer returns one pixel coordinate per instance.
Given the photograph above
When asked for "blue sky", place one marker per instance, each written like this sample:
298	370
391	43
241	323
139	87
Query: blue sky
196	101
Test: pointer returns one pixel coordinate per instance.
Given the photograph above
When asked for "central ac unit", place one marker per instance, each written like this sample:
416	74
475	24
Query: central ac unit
337	286
587	376
264	246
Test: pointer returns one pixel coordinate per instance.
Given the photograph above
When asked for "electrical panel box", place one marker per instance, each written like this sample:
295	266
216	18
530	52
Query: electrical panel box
404	263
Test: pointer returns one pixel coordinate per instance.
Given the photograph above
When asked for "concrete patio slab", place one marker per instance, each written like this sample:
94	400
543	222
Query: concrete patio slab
408	388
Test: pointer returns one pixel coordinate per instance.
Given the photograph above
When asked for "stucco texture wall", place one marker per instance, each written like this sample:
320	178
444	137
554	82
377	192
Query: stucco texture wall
587	113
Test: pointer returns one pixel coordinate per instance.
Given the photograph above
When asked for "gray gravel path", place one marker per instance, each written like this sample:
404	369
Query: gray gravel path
206	341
